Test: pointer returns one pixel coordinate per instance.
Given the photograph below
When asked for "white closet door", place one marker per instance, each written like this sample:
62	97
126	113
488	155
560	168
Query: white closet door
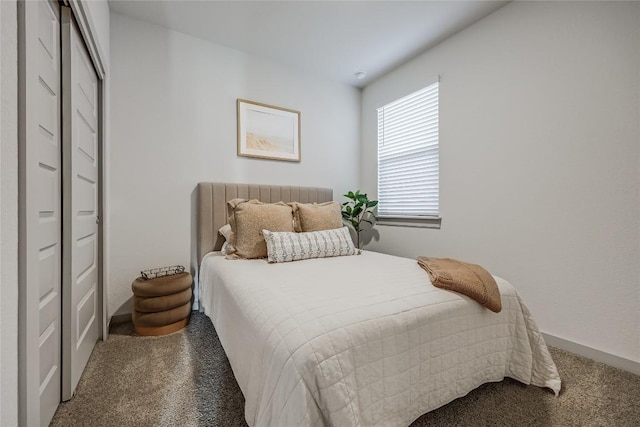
80	183
40	211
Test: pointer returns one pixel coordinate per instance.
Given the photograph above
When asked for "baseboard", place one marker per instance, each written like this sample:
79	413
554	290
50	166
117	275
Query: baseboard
593	354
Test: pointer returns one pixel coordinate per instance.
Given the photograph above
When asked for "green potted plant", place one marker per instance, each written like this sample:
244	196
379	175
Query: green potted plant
357	210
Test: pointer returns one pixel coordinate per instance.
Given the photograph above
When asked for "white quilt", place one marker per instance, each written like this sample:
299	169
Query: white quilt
361	340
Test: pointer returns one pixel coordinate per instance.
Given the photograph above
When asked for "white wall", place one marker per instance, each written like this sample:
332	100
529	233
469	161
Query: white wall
539	134
8	214
173	124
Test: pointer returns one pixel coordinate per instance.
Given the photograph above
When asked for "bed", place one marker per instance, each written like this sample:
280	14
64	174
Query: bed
353	340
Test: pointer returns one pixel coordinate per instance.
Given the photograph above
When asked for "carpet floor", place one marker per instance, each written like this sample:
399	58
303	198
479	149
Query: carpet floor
184	379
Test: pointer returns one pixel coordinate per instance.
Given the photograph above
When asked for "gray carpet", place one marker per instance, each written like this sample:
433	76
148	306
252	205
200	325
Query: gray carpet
184	379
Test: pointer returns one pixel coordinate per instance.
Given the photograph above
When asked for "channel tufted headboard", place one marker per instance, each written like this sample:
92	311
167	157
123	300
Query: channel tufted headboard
213	198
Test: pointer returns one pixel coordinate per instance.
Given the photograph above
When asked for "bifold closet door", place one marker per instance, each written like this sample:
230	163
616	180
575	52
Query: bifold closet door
80	269
40	247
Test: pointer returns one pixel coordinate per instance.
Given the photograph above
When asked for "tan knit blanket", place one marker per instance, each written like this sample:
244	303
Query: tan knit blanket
468	279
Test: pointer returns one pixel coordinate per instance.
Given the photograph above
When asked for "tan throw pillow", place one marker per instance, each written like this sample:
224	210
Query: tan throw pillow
248	219
317	216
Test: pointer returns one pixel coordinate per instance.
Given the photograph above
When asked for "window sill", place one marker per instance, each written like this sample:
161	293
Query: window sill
427	222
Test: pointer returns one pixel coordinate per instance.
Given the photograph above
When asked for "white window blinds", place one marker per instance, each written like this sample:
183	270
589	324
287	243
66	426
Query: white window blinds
408	171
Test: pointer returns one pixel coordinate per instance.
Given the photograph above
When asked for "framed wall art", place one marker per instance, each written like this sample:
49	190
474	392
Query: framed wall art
268	132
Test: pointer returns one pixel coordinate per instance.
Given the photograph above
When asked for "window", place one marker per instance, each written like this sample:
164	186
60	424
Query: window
408	171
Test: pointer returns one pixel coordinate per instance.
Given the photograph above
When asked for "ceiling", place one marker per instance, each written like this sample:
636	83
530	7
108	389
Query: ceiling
333	39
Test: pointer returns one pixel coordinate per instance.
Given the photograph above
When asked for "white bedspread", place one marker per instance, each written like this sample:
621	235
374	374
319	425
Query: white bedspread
361	340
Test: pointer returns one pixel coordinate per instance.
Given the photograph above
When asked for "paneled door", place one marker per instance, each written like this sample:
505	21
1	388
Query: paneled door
40	248
80	270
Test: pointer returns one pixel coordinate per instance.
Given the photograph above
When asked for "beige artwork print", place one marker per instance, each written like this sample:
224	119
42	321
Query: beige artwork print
269	132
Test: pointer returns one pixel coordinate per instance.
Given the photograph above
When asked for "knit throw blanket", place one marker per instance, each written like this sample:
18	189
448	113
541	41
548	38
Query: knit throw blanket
468	279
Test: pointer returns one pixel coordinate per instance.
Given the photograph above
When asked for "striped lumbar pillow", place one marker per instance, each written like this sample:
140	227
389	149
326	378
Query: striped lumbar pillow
285	246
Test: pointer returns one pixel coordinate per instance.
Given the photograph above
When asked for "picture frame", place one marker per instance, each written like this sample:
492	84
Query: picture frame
268	132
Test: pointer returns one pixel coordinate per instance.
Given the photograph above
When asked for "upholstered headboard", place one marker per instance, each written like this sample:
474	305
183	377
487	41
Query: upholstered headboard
213	198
